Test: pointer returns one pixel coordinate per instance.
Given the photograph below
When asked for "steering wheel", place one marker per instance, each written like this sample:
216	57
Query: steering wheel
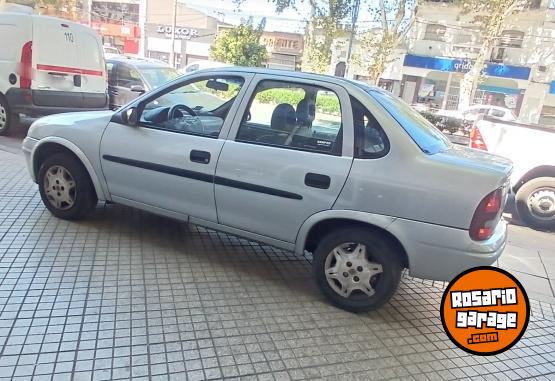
180	108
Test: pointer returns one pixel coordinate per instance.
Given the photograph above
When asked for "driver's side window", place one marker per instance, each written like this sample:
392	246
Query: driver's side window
198	108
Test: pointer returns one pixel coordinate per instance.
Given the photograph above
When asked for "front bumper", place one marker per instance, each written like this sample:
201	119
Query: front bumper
440	253
28	148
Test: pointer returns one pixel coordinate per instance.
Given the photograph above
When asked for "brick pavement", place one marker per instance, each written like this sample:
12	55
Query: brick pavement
126	294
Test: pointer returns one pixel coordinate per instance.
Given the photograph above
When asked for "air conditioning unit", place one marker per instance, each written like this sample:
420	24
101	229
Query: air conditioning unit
498	54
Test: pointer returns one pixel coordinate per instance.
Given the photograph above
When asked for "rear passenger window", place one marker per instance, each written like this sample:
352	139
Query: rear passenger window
497	113
295	116
370	139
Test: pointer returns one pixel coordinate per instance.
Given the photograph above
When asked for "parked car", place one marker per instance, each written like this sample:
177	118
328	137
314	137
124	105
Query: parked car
337	168
47	66
530	147
203	64
130	77
110	51
474	112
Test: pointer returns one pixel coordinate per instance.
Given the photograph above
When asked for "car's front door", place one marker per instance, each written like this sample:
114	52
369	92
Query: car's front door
287	158
169	160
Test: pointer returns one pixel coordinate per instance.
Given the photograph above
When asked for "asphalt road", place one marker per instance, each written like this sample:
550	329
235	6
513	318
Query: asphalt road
530	254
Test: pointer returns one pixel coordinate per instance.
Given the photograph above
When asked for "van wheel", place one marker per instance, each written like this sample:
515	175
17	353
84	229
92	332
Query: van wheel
65	187
357	269
6	117
535	203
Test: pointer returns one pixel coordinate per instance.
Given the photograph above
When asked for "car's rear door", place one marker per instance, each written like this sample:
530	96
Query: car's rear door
56	60
92	81
281	165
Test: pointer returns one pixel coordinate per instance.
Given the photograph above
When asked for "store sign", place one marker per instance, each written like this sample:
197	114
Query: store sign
457	65
118	30
180	33
282	43
552	88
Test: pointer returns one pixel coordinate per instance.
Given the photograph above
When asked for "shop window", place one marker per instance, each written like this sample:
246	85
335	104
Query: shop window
435	32
535	4
511	38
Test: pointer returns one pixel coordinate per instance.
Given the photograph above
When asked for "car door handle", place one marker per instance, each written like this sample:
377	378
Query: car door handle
202	157
316	180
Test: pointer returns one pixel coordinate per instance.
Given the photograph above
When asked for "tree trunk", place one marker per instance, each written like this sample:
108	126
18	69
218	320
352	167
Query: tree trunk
469	83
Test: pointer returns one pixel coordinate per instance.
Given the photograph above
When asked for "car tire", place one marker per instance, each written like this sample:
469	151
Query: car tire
535	203
7	119
340	263
65	187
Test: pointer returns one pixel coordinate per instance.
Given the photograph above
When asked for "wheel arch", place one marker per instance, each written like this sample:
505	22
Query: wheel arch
322	223
540	171
53	145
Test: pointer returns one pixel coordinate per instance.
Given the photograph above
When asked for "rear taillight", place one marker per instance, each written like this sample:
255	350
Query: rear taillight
486	216
26	65
476	139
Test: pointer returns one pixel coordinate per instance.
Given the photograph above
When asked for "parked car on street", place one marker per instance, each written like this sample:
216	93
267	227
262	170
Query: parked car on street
110	51
130	77
474	112
203	64
47	66
531	149
330	166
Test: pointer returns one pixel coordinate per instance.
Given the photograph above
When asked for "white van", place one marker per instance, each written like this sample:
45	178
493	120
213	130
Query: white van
47	66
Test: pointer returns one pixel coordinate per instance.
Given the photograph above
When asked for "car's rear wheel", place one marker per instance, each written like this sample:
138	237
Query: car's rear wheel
65	187
7	119
535	203
357	269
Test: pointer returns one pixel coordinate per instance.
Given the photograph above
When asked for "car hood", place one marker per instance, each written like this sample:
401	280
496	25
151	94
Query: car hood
477	160
56	124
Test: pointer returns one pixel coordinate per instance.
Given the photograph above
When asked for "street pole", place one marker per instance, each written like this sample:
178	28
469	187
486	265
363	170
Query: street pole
174	22
143	12
356	10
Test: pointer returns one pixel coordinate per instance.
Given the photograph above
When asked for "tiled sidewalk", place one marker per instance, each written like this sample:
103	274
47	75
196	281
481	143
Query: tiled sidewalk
126	294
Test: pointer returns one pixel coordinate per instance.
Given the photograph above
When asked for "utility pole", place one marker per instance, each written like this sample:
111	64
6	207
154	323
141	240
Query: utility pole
354	19
143	42
174	22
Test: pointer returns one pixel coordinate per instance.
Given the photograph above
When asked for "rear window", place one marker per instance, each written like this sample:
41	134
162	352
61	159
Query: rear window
425	135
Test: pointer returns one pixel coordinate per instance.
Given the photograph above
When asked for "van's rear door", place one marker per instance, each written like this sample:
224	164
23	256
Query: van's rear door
94	84
56	63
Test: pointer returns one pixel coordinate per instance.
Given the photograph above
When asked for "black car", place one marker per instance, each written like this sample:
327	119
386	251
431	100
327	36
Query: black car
130	77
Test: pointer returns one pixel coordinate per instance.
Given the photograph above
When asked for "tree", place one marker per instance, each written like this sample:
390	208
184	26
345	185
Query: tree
396	17
489	16
324	25
240	46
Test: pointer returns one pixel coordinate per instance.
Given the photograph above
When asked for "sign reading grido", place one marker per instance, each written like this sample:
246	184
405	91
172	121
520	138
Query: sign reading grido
180	33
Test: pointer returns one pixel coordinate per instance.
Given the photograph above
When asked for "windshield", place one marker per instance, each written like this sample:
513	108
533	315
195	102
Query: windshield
157	76
429	138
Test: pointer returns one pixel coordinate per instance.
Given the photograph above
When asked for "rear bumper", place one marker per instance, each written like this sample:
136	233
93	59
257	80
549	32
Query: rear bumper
441	253
47	102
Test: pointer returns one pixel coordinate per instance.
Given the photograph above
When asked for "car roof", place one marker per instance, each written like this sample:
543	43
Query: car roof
137	62
290	74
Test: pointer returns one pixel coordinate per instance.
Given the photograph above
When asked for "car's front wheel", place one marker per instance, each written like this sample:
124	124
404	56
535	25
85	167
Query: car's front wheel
535	202
7	119
357	269
65	187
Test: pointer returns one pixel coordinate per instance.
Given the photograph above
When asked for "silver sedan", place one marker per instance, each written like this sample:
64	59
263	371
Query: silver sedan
294	160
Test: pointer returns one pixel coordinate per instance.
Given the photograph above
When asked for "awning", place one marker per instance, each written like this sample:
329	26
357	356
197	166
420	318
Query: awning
499	89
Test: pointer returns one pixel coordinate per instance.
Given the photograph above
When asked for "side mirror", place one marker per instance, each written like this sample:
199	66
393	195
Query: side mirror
130	117
138	89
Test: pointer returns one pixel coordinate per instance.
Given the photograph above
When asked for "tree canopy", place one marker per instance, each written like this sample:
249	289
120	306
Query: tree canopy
240	45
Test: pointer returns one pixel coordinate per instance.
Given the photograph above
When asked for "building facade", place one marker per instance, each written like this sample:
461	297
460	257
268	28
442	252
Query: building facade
443	44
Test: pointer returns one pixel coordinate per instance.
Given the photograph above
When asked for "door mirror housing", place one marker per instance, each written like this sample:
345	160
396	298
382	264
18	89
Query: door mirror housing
130	116
138	89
